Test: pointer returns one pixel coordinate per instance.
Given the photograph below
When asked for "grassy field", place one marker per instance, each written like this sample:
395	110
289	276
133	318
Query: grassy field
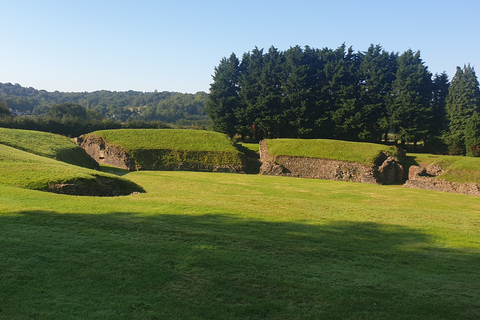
458	169
47	145
361	152
225	246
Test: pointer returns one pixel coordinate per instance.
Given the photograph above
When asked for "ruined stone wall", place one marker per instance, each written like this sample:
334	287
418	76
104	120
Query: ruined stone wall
385	171
105	153
425	178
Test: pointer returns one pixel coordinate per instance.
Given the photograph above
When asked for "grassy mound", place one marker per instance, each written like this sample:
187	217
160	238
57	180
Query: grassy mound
47	145
361	152
457	168
152	148
26	170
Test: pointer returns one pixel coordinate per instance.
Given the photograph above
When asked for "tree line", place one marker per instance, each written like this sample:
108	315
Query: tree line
341	94
170	107
70	119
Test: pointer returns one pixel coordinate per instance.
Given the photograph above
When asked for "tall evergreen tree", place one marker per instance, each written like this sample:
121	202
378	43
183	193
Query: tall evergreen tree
462	101
410	112
223	101
346	113
297	100
377	74
472	135
440	92
251	93
269	105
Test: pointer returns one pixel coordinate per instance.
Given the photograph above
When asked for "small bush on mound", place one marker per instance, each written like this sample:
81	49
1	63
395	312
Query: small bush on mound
361	152
26	170
47	145
156	148
456	168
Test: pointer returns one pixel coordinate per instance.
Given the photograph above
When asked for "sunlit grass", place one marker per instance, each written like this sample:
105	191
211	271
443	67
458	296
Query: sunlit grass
170	139
361	152
225	246
159	148
47	145
457	168
27	170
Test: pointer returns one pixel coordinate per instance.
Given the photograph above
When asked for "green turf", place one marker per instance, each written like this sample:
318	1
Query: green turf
160	149
223	246
169	139
46	144
457	168
361	152
27	170
250	147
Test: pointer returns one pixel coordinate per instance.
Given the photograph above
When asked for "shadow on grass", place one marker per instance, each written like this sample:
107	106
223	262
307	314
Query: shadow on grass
113	170
131	266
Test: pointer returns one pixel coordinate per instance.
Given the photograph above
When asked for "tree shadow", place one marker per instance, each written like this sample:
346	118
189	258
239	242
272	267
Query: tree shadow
218	266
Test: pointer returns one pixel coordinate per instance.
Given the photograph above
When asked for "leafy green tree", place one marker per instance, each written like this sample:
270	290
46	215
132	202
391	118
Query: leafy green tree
4	110
67	110
462	101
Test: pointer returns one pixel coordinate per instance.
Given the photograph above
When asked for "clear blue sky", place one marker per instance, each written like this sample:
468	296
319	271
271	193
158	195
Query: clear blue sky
174	45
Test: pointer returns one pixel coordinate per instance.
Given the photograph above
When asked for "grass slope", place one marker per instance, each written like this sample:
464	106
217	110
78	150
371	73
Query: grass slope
156	147
27	170
361	152
222	246
457	168
47	145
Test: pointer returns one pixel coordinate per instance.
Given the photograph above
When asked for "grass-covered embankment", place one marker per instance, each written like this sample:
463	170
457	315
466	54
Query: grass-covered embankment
457	168
222	246
27	170
360	152
158	148
47	145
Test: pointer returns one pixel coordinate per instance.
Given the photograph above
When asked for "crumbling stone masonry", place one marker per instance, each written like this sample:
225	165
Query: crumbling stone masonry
384	170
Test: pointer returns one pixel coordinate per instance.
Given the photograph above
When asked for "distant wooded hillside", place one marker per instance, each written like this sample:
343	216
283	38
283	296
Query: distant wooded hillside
170	107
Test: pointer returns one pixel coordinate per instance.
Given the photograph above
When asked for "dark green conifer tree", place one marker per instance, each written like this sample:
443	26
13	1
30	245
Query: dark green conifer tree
346	113
223	101
269	105
410	112
462	101
440	92
297	100
472	135
377	74
250	94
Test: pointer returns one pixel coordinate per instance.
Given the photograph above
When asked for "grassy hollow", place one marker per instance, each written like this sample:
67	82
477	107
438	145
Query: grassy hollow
27	170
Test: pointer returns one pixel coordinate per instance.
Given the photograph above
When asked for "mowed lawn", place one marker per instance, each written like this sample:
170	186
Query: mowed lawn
231	246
